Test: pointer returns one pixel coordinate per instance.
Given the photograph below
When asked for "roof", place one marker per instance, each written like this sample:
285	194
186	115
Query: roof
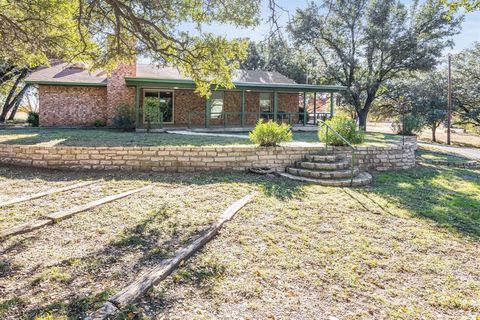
254	76
67	73
63	73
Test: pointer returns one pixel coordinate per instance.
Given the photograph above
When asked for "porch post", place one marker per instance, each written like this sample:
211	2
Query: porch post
137	106
243	109
275	105
315	108
331	105
304	108
207	113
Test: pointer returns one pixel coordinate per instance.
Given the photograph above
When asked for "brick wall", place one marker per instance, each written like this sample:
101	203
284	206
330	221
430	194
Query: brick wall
182	159
117	91
77	106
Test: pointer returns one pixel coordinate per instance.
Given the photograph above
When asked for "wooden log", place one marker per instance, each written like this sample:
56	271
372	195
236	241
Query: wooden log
63	214
46	193
107	309
24	228
138	288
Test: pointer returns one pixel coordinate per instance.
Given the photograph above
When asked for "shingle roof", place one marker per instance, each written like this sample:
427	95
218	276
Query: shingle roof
63	72
253	76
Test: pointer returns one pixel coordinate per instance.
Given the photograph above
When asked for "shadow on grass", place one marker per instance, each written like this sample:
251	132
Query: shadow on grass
147	241
449	197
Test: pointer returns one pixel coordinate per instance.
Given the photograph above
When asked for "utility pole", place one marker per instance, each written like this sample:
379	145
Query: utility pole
449	115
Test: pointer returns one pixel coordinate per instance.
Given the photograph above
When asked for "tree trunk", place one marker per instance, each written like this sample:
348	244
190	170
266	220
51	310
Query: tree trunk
362	119
14	110
434	137
17	101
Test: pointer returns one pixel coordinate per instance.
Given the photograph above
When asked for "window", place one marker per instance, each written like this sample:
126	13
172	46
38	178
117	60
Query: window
265	101
216	105
155	102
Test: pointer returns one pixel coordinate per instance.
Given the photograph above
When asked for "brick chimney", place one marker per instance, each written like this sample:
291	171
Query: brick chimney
117	91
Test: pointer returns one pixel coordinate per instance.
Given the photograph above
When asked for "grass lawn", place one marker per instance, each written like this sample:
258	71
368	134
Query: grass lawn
405	248
431	155
99	137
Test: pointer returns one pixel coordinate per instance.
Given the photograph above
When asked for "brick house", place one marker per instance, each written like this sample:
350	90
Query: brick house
70	95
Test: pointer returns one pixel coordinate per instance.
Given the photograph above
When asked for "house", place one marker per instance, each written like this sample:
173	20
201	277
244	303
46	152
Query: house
71	95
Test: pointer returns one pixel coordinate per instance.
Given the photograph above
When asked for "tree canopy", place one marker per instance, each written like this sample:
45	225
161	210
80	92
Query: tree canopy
32	32
277	54
466	85
361	44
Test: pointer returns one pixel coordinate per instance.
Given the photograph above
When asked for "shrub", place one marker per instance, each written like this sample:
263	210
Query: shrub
408	124
124	118
33	119
270	134
344	126
99	123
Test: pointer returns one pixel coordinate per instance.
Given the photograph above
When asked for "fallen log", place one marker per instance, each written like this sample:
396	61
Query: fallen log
138	288
45	193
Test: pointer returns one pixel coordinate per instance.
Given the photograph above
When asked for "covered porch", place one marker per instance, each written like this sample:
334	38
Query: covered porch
176	105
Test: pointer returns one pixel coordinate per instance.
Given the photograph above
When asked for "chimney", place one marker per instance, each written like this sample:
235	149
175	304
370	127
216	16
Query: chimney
117	91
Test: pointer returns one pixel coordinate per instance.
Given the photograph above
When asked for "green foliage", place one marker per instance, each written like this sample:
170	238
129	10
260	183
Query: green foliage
408	124
362	43
33	119
278	55
468	5
270	134
104	33
99	123
151	110
124	118
344	126
466	85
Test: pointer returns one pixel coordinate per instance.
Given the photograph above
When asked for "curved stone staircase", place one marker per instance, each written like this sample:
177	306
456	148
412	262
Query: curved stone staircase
327	170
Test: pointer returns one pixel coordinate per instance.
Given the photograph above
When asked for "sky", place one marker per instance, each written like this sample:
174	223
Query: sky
469	34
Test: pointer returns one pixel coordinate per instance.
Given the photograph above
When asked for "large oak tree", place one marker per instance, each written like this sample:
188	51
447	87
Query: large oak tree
361	44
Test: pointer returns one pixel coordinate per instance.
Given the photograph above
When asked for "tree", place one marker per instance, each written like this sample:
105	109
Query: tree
466	85
424	96
275	54
32	32
362	44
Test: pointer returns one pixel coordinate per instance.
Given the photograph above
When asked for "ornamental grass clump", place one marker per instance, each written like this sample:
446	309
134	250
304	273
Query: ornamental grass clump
345	127
270	134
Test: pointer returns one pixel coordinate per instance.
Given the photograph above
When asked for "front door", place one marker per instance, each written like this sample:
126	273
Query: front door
157	106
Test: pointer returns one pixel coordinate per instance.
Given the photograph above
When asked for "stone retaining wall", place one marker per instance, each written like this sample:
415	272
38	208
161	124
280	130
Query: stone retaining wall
183	159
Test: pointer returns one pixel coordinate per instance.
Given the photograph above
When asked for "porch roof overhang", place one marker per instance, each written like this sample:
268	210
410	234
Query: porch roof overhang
190	84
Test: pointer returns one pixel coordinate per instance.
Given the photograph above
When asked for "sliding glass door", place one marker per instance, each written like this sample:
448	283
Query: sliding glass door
156	104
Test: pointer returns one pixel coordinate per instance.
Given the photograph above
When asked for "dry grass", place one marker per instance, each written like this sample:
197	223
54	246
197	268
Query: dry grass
406	248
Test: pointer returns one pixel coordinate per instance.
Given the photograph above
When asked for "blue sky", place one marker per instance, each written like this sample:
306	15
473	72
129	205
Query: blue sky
468	35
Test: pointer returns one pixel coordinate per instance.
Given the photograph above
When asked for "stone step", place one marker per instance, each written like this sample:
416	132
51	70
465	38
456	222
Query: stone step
362	179
322	174
323	158
339	165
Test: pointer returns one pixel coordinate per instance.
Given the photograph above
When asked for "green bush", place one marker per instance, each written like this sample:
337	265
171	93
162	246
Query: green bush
408	124
124	118
270	134
344	126
33	119
99	123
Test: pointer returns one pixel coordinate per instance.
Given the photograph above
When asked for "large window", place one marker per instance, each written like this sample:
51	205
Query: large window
265	102
156	103
217	105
